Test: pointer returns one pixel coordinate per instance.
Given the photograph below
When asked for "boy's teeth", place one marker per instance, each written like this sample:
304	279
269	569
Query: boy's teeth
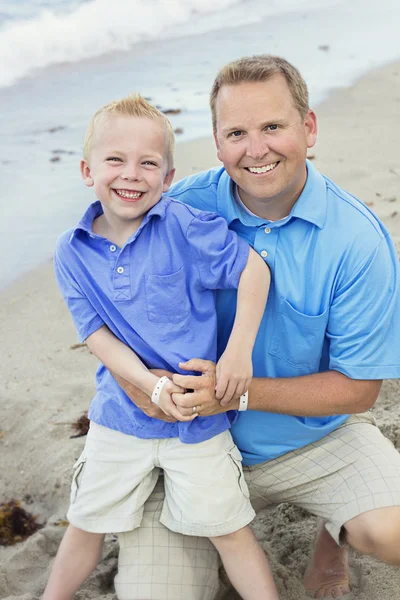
262	169
130	195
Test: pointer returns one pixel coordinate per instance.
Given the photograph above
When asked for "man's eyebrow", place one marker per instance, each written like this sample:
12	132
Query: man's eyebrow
271	121
274	122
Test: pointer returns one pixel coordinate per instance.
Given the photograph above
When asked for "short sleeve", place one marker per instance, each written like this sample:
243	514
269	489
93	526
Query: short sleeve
364	322
220	253
86	319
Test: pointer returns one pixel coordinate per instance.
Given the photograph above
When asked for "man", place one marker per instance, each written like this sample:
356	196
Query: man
329	336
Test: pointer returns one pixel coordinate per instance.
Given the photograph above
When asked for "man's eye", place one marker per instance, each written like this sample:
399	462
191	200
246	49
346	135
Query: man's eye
272	127
236	134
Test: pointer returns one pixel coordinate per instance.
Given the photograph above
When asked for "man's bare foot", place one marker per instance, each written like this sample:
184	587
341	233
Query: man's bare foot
327	575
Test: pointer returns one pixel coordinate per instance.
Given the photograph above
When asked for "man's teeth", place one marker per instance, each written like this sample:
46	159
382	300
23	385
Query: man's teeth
130	195
262	169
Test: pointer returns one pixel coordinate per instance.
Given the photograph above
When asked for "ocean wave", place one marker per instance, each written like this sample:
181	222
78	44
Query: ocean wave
93	29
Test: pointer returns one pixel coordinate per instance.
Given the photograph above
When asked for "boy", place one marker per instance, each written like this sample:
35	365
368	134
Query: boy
138	274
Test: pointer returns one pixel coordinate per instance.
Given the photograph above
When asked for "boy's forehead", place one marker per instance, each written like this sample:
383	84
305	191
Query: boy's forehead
112	129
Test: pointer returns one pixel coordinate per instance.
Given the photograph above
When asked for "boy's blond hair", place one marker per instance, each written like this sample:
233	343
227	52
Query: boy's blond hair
133	105
260	68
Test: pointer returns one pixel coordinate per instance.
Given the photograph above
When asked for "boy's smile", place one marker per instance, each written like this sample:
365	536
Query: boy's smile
129	171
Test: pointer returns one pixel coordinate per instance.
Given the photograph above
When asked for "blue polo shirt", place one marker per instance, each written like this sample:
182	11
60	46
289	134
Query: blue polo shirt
157	295
334	302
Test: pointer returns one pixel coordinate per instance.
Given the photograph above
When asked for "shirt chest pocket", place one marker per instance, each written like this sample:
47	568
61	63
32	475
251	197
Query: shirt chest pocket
298	338
167	298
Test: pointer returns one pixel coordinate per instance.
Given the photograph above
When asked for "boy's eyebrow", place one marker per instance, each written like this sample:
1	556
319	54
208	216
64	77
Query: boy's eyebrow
113	151
143	155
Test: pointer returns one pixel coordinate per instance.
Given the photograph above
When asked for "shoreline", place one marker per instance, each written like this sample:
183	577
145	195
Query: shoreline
199	153
48	381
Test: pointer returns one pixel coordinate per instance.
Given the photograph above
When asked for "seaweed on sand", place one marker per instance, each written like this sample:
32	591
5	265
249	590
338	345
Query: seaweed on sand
16	524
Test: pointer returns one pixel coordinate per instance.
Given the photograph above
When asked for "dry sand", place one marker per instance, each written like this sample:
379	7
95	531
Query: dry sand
46	383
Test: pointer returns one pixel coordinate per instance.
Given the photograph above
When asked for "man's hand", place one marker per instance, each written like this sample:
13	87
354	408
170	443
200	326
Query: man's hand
142	400
203	386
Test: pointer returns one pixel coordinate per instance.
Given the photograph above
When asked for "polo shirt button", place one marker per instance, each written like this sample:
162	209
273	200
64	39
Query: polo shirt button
120	270
264	253
113	248
267	230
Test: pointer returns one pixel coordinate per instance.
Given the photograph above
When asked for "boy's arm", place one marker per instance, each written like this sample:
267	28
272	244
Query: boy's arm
234	369
121	360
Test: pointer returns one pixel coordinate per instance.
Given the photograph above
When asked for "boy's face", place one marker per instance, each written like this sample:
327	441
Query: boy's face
127	167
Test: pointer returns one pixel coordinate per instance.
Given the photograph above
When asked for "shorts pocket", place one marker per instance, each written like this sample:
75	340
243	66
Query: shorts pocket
236	461
77	477
166	297
298	338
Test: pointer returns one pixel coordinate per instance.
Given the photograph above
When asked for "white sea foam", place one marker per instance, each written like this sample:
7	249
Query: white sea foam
94	28
99	27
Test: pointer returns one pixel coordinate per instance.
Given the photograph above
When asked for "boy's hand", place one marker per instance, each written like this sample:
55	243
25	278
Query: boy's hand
168	406
234	373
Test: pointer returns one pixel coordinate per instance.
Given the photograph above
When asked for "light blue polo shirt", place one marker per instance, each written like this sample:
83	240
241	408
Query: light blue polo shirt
157	295
334	301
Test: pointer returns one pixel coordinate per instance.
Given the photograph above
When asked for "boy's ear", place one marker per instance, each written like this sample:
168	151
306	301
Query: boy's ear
168	180
85	172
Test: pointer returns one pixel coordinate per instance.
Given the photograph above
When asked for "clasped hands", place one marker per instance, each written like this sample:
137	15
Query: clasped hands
216	390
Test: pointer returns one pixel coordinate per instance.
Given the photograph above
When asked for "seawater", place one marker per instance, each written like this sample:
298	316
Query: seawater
62	60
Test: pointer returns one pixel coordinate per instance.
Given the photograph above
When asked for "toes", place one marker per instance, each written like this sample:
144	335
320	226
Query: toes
336	591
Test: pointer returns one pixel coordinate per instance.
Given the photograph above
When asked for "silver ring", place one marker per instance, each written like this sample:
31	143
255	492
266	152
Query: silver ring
194	409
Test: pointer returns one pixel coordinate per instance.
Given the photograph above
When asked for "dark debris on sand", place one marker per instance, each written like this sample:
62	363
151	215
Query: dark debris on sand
16	524
81	426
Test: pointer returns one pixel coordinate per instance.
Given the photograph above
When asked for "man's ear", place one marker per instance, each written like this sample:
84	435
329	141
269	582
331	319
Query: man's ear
217	145
310	123
85	172
168	180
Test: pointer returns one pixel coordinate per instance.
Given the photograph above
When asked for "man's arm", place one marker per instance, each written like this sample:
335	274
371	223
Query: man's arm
320	394
141	399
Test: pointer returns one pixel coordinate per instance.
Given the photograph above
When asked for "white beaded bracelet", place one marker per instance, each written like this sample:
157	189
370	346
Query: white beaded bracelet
243	401
157	389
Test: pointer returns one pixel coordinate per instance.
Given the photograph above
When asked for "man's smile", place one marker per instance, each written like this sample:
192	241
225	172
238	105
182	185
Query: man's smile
262	169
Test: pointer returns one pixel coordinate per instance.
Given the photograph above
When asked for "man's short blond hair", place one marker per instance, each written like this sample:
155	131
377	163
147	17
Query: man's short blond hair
260	68
133	105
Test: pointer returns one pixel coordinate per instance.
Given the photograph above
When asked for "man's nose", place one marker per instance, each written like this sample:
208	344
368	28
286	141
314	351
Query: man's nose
257	147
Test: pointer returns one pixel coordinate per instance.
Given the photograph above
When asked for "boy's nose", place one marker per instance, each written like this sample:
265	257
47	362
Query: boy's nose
130	173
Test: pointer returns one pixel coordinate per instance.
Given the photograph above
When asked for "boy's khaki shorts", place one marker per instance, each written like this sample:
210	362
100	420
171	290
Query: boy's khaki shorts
205	491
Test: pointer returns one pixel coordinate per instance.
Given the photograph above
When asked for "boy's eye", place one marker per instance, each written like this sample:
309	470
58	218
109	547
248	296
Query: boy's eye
114	158
150	162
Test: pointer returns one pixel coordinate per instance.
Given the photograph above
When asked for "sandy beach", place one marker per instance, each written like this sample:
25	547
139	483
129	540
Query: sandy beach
47	381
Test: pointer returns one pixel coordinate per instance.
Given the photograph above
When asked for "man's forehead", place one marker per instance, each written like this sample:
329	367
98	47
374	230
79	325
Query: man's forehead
274	88
253	101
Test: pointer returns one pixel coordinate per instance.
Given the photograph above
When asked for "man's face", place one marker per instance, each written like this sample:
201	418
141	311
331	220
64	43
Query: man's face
262	140
127	167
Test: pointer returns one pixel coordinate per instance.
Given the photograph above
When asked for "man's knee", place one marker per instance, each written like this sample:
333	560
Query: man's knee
376	532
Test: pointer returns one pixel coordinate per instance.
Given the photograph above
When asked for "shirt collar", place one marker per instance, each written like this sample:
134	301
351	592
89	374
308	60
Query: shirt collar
310	206
95	210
